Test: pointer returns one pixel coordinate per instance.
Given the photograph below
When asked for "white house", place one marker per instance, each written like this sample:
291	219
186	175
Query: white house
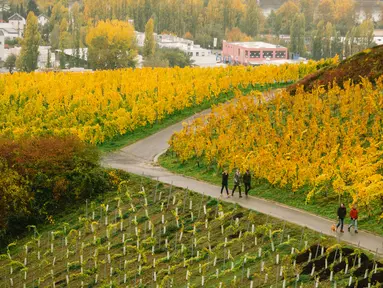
8	31
42	19
18	22
201	57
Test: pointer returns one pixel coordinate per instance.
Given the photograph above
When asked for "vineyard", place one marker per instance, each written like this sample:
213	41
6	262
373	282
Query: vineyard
151	235
102	105
326	141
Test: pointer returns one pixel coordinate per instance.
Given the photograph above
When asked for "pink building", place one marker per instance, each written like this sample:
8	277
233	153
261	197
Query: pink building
252	53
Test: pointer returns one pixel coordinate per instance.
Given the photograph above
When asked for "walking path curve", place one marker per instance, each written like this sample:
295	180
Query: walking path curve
139	158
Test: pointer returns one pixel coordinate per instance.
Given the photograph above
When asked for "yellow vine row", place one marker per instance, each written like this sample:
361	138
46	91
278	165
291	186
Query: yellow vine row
98	106
321	139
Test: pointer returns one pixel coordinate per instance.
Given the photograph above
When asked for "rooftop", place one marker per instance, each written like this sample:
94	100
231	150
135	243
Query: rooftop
256	45
16	16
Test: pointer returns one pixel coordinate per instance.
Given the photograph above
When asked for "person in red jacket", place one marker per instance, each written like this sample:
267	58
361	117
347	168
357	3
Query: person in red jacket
354	219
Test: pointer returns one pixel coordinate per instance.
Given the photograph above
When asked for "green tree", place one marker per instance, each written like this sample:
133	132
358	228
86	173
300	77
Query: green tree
30	45
76	32
49	61
10	63
150	43
168	57
286	14
253	19
32	6
317	42
111	45
59	12
156	61
62	42
297	35
337	45
176	57
365	34
327	41
14	196
307	9
273	24
55	37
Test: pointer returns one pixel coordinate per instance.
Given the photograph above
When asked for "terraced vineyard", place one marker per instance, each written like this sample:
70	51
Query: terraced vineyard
151	235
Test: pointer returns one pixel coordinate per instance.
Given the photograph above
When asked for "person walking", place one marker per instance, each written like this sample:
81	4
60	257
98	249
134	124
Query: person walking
237	183
247	181
341	214
354	219
225	182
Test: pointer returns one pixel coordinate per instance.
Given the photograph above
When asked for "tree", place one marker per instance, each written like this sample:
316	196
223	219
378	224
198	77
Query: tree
59	12
286	13
317	42
188	35
327	41
253	18
62	42
236	35
4	8
168	57
326	11
337	45
32	6
176	57
14	196
10	63
307	9
76	32
365	34
30	45
344	15
156	61
273	24
150	43
55	37
111	45
49	61
297	35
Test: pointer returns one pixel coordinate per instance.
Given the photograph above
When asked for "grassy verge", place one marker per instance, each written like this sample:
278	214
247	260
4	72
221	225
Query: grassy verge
143	132
320	205
165	232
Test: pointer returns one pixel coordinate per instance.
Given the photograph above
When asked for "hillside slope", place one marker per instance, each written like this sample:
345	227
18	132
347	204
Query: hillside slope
368	63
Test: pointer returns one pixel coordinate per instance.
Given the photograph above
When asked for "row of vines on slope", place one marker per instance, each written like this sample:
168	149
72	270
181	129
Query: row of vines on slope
161	237
101	105
324	140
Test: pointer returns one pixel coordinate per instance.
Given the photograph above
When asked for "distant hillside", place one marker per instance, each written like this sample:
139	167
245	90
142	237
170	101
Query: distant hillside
368	63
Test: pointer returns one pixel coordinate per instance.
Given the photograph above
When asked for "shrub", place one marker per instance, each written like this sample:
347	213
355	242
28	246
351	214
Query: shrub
40	176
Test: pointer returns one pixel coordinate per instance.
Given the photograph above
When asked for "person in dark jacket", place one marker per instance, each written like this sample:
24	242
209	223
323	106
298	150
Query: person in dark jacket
247	181
237	183
225	181
354	219
341	215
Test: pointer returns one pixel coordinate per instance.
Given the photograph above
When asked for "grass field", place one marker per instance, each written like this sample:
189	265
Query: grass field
150	234
323	206
140	133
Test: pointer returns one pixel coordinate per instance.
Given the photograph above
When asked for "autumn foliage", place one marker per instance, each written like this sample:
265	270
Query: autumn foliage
324	140
99	106
368	63
39	176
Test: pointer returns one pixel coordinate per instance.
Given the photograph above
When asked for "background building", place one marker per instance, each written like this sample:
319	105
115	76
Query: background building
201	57
14	28
252	53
